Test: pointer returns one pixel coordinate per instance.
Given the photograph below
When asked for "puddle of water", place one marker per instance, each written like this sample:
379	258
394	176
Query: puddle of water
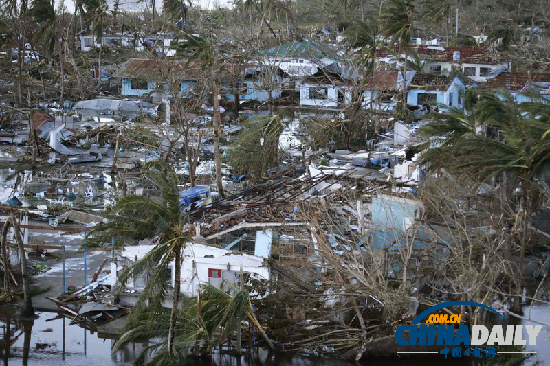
60	343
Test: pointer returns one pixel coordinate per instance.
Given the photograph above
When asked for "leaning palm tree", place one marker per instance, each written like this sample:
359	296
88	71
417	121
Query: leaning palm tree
221	309
202	323
397	23
363	42
137	217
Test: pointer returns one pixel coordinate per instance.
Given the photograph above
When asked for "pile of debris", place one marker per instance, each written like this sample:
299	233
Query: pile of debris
92	303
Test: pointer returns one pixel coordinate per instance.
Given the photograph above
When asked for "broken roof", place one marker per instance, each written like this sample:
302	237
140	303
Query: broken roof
152	69
515	81
433	81
162	70
302	49
467	54
446	54
39	118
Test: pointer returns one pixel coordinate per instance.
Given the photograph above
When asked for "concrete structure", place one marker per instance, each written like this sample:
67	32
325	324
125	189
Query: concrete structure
437	91
162	42
383	88
208	264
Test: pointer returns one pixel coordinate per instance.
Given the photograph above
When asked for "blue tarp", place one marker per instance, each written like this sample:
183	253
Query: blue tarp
382	162
194	194
195	191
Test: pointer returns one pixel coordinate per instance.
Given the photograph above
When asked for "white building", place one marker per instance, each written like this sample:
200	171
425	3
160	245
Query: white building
209	264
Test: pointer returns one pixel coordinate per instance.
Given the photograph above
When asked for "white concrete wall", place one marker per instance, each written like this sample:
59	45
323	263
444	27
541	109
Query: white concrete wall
330	102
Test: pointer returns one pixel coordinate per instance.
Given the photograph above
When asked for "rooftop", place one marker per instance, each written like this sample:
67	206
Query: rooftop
304	49
515	81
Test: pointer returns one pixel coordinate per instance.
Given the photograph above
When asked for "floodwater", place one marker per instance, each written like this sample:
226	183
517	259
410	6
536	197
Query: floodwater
51	340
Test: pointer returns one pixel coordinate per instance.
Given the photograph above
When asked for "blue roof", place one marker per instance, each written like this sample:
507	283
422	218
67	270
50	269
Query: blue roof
195	191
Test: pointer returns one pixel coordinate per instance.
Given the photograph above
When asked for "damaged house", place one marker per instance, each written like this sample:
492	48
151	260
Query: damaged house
520	84
437	90
474	63
383	89
324	89
300	59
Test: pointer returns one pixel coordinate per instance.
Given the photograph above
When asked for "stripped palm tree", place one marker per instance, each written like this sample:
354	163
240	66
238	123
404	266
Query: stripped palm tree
96	15
438	11
364	46
137	217
202	50
43	13
397	23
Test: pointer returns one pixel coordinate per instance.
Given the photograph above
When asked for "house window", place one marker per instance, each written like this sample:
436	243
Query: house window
138	84
385	98
301	61
214	273
484	71
317	93
435	68
87	42
470	71
427	98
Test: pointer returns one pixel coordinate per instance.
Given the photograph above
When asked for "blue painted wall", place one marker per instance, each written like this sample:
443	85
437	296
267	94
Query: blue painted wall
390	214
127	88
451	97
251	92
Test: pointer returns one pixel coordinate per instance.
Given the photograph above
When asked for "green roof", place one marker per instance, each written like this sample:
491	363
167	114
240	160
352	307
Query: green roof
303	49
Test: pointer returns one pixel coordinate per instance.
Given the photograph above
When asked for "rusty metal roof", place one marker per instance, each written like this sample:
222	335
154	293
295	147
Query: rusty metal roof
515	81
383	80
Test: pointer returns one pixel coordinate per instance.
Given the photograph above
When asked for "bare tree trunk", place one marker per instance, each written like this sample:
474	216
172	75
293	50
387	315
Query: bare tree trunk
5	258
27	311
193	160
99	62
34	142
176	300
27	329
62	65
19	74
405	78
239	327
115	158
216	124
270	101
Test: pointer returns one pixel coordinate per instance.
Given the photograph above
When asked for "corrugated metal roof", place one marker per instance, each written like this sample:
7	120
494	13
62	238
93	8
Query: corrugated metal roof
154	69
383	80
445	54
515	81
303	49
